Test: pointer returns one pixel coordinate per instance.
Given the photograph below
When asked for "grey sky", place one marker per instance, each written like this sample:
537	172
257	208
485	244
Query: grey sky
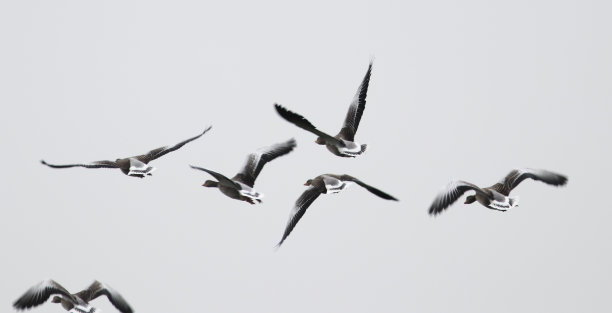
459	90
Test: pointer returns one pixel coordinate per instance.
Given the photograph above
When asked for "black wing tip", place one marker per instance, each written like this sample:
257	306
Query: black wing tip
286	113
278	245
197	167
282	110
292	143
562	180
207	129
43	162
435	211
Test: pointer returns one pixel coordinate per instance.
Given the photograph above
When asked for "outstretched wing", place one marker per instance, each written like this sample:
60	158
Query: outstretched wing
223	180
159	152
371	189
96	164
303	123
40	293
516	176
450	194
353	117
302	203
256	161
97	289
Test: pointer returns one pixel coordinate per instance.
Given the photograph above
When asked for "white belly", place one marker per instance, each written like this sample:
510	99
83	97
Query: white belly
350	147
503	205
139	168
333	185
249	192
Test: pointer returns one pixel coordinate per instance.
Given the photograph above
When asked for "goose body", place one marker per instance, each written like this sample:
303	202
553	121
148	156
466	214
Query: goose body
74	303
324	184
136	166
496	197
343	144
240	187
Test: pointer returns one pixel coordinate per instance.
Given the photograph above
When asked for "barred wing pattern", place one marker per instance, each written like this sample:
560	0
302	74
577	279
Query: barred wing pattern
303	123
516	176
159	152
353	117
97	289
450	194
96	164
302	203
40	293
256	161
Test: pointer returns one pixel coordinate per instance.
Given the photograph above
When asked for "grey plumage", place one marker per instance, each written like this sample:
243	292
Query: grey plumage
41	292
325	183
496	196
240	187
136	166
343	143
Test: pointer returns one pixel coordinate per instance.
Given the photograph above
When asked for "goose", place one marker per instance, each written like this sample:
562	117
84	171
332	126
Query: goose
328	184
136	166
496	197
240	187
75	303
343	144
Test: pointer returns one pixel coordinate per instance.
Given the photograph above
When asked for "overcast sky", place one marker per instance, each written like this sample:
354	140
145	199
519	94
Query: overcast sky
459	90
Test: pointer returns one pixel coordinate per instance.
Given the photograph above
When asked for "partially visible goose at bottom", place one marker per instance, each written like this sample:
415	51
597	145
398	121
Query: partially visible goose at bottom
240	187
343	144
75	303
136	166
326	183
496	197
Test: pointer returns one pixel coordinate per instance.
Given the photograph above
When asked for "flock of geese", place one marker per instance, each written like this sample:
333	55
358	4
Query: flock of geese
241	187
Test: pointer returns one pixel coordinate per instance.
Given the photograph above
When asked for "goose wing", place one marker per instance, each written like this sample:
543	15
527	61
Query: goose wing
302	203
353	117
96	164
97	289
303	123
159	152
516	176
40	293
256	161
371	189
450	194
223	180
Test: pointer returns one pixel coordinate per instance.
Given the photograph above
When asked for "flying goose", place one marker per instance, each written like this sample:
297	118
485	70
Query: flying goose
136	166
326	183
241	186
343	143
495	197
75	303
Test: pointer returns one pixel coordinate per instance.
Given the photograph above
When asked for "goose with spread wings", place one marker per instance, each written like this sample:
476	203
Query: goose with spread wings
496	197
343	144
136	166
240	187
74	303
328	184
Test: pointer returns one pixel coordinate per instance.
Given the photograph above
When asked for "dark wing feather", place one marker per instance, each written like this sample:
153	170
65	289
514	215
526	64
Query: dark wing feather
302	203
450	194
159	152
353	117
516	176
96	164
303	123
371	189
256	161
97	289
223	180
40	293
